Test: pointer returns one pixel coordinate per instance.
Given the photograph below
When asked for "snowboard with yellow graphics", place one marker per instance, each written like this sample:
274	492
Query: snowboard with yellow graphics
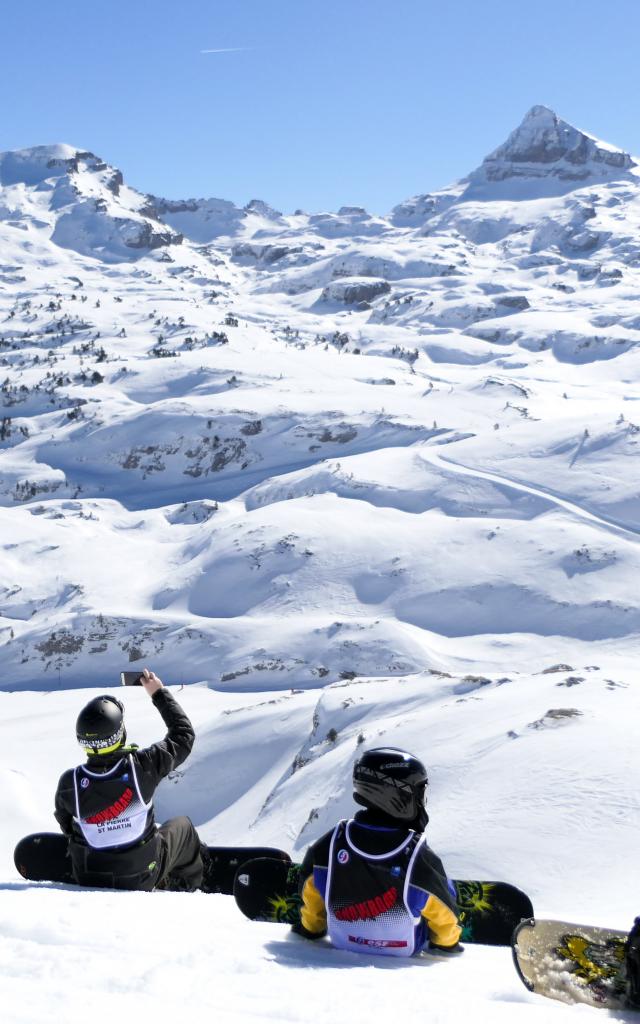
268	890
571	962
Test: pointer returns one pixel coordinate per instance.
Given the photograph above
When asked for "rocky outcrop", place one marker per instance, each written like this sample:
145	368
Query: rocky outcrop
264	254
262	209
146	236
354	292
37	164
545	145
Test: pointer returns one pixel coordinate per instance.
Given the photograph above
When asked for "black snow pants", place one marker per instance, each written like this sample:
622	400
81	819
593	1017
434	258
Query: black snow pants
180	858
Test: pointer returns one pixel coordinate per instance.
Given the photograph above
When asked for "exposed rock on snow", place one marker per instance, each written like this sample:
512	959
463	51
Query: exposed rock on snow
354	292
545	145
92	229
554	717
200	220
413	213
267	254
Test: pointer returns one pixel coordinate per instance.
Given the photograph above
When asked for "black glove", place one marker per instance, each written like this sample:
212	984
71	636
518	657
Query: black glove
300	929
445	951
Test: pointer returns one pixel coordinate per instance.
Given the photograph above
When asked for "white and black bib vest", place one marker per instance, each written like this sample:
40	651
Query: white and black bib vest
368	897
110	811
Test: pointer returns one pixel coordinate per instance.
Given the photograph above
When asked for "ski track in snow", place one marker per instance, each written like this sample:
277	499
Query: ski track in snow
580	511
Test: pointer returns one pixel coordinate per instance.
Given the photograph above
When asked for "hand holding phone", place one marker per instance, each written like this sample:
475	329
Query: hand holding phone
146	678
131	678
151	682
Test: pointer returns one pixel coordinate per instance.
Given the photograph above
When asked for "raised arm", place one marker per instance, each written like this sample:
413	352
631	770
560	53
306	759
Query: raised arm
161	758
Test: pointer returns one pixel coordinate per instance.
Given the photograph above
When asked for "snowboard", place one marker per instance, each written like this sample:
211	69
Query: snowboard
267	890
43	857
574	963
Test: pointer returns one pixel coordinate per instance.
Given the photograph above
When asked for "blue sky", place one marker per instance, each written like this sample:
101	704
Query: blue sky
315	105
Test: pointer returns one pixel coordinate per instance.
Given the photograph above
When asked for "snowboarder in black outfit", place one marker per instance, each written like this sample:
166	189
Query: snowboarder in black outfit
105	807
372	882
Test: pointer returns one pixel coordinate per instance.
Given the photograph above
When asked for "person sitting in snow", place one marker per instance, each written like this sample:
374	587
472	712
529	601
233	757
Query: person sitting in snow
105	807
372	882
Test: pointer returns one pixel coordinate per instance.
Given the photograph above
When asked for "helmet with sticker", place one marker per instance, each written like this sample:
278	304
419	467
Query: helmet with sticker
100	725
393	781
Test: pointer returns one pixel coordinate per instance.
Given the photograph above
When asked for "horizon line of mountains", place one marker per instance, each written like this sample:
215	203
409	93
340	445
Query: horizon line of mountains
542	148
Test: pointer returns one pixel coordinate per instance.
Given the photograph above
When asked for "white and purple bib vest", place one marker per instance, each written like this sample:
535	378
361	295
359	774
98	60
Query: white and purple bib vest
369	898
110	811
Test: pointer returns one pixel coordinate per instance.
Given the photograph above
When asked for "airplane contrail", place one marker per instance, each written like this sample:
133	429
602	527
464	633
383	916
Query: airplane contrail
229	49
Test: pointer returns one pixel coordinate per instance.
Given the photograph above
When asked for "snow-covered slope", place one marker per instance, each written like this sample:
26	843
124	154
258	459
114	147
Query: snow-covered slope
116	953
526	784
364	479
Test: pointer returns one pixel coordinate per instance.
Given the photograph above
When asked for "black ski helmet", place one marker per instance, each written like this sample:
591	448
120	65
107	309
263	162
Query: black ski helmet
392	781
100	726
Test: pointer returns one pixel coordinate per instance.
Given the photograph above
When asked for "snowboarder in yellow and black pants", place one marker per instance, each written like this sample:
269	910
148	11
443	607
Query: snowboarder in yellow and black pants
371	882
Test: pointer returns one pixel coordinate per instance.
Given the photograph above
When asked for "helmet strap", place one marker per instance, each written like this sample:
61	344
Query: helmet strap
421	820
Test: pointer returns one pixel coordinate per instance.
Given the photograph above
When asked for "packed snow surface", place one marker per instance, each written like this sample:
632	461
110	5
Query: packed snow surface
73	955
343	480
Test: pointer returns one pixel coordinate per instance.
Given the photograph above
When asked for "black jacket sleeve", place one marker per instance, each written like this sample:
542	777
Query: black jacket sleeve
429	874
161	758
62	812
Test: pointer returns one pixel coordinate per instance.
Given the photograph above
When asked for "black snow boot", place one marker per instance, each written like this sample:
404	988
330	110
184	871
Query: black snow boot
632	965
209	882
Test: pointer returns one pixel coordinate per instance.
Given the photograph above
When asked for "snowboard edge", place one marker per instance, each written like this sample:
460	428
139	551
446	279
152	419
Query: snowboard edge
527	922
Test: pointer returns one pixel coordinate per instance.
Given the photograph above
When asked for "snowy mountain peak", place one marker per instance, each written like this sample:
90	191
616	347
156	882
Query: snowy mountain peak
80	201
544	156
263	210
545	146
40	163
